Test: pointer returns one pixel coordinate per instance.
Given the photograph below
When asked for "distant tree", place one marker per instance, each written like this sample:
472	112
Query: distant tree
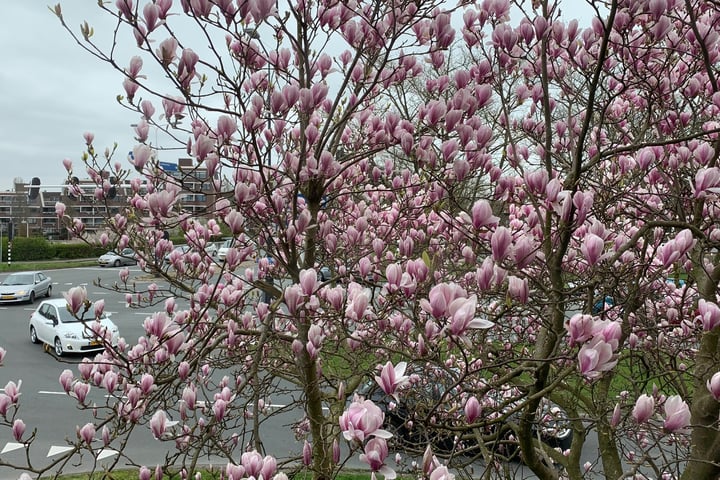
533	231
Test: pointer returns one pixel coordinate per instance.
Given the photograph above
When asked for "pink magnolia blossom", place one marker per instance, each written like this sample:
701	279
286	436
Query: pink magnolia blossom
393	273
236	221
158	424
148	109
12	390
644	408
147	383
376	451
472	409
252	461
518	288
234	472
87	433
4	404
307	453
59	209
677	414
676	248
76	298
189	397
293	298
391	378
361	420
269	467
440	298
141	155
336	451
161	203
219	409
262	9
580	328
99	308
709	314
616	415
706	179
713	385
66	380
463	317
592	248
308	280
596	357
183	370
441	472
110	381
18	429
80	391
500	243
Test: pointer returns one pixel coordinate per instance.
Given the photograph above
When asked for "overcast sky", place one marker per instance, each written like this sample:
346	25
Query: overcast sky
51	91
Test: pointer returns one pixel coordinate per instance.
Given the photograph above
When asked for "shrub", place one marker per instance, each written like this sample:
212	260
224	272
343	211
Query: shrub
31	248
69	251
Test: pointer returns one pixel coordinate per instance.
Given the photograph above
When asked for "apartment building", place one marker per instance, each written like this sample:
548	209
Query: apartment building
30	207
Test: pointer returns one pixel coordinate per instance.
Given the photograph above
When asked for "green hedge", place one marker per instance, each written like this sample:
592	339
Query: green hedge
70	251
31	248
37	248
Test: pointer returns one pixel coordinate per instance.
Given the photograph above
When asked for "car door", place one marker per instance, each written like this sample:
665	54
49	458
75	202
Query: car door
41	284
45	327
128	256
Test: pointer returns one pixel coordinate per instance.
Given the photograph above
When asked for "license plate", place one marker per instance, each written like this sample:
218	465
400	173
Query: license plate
7	297
95	343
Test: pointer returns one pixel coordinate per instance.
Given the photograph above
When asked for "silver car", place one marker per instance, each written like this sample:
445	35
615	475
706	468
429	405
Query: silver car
25	287
114	259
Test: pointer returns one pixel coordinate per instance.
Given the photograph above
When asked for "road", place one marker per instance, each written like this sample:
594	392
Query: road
45	406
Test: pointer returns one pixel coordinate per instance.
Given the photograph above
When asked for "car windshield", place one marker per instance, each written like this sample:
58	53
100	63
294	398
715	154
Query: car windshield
19	279
67	317
111	253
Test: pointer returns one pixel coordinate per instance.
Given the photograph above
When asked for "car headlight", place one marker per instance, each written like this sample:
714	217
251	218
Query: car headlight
71	335
22	292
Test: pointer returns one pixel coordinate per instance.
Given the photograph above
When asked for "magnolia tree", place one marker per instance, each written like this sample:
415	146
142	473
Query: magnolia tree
514	215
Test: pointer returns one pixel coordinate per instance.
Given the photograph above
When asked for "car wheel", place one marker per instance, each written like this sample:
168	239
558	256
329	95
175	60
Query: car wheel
58	347
49	291
117	263
33	335
32	297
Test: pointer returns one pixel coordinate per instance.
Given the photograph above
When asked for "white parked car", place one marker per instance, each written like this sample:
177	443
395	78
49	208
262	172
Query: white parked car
211	249
53	324
222	251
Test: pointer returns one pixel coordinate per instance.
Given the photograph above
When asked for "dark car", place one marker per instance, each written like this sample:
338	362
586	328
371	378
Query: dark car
429	410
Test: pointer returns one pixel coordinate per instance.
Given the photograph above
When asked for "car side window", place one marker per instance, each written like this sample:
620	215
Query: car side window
48	312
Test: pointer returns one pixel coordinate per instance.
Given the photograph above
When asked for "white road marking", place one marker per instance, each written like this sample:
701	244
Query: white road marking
10	446
105	453
56	450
